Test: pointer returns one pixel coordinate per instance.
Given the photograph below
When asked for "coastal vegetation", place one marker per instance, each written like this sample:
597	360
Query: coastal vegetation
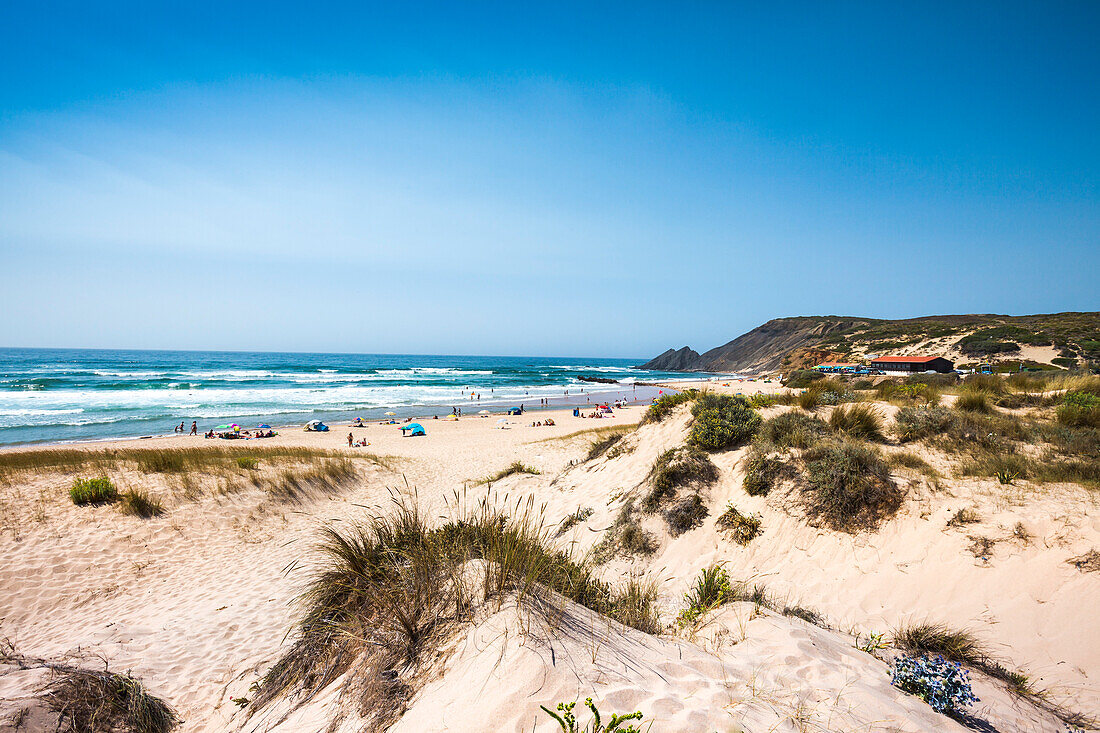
390	588
93	491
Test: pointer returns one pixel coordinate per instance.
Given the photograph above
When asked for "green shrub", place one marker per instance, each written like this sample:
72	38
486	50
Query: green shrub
676	468
1064	362
93	491
722	421
848	487
860	420
741	528
140	503
663	406
915	423
248	463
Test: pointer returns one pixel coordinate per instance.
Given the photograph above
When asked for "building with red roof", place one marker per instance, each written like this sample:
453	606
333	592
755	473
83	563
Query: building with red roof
911	364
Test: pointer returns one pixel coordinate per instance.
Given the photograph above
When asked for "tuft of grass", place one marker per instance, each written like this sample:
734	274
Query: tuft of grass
973	400
848	487
93	491
248	463
806	614
741	528
294	484
514	468
791	430
905	459
602	445
574	519
636	606
711	589
954	644
625	536
861	421
722	421
964	516
140	503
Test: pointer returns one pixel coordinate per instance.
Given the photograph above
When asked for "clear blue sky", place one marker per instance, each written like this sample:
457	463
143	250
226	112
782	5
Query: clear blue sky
577	179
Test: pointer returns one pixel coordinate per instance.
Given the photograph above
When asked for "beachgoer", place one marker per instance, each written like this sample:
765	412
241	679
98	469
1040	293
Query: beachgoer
351	440
194	427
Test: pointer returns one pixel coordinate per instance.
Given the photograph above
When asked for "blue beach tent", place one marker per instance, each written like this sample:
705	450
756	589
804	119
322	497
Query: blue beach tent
415	428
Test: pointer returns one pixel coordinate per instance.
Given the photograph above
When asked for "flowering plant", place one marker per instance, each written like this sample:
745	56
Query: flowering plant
942	684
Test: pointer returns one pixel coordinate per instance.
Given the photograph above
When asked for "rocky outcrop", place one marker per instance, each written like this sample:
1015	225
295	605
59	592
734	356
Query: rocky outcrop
673	360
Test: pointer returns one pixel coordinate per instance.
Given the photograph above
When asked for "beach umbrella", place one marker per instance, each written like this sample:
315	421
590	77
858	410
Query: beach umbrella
263	426
391	413
502	420
483	412
223	427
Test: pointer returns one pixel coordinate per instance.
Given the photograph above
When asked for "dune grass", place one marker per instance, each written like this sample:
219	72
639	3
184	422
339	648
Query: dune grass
512	469
605	443
861	421
140	503
391	588
791	430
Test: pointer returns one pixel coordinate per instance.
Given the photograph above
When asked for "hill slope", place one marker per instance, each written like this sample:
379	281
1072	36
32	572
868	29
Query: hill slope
1057	339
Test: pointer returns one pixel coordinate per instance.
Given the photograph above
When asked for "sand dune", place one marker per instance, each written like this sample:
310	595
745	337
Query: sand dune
197	603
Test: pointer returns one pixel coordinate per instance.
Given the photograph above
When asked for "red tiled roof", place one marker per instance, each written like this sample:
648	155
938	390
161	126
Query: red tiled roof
905	359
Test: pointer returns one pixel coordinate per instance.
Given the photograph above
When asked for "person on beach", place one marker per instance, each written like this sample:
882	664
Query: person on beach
351	440
194	427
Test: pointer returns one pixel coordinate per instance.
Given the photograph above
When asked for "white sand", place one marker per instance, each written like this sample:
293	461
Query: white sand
197	603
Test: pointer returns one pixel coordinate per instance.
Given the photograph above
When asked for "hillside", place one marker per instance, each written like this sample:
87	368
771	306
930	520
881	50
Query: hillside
1050	340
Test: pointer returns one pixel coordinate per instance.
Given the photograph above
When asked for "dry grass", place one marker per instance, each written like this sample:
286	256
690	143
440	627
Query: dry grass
206	459
87	700
391	589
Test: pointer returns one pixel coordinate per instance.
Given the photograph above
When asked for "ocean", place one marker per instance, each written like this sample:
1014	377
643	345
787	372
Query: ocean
58	395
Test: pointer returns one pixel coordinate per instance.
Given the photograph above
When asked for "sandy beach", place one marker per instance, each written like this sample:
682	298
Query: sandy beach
198	602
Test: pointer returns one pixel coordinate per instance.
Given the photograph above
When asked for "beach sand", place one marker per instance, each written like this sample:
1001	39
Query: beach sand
197	603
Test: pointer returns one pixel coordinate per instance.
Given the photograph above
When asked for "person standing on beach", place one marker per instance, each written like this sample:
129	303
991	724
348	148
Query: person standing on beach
194	427
351	440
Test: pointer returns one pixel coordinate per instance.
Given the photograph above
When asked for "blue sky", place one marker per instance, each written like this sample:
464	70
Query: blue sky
576	179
